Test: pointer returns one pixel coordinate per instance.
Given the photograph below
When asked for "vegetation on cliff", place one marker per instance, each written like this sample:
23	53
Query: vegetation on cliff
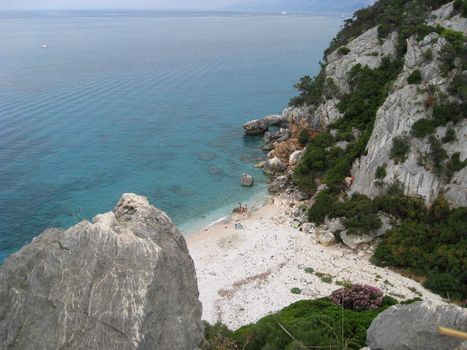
369	89
319	322
431	242
421	240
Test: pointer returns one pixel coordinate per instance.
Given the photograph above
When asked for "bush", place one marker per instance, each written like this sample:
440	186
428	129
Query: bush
450	136
400	148
381	172
303	137
454	165
428	55
343	50
415	77
422	127
448	112
437	154
445	285
460	6
323	206
431	244
218	337
296	291
307	321
358	297
359	213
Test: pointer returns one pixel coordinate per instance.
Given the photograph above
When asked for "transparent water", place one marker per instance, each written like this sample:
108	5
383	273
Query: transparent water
150	103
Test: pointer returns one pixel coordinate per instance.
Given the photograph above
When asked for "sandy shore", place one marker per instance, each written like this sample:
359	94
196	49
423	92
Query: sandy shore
246	274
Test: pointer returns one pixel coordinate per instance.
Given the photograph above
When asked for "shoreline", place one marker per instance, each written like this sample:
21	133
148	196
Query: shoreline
244	275
191	227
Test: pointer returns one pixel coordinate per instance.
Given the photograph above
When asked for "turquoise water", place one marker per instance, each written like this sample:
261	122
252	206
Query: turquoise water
148	103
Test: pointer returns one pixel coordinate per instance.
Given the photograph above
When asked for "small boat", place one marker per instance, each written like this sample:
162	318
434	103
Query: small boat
283	13
45	46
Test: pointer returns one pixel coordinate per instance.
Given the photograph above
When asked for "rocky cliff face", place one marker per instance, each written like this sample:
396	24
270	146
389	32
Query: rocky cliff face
405	104
403	107
124	281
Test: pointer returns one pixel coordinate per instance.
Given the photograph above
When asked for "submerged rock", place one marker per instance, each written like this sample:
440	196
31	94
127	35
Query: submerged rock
124	281
246	180
413	327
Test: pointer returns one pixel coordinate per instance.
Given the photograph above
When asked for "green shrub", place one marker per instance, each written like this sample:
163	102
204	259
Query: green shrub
458	87
381	172
324	205
326	279
448	112
343	50
313	323
303	137
310	89
454	165
450	136
445	285
423	127
218	337
460	6
296	290
309	270
455	48
402	207
400	148
428	54
422	30
415	77
359	213
437	154
429	243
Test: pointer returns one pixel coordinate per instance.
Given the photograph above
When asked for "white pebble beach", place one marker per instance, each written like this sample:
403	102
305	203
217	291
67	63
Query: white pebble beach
246	274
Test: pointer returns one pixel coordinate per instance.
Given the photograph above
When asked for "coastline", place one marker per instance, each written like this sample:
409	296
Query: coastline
246	274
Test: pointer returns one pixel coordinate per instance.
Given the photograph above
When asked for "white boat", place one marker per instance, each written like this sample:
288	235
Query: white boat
45	46
283	13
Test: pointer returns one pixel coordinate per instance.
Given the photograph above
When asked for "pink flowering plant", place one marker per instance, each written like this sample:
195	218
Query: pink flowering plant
358	297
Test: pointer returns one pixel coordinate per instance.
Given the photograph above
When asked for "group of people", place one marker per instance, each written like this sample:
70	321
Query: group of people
241	209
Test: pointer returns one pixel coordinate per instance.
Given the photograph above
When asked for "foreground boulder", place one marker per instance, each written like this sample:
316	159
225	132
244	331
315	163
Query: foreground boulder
124	281
413	327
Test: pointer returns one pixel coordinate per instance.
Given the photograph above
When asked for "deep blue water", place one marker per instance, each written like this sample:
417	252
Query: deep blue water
148	103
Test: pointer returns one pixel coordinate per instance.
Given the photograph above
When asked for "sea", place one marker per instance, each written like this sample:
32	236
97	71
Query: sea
145	102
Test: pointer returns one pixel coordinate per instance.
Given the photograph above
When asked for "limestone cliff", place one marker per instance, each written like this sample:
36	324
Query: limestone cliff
124	281
405	104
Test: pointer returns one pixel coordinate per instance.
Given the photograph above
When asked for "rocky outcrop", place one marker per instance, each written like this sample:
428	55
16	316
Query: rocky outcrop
256	127
413	327
366	50
404	106
123	281
284	149
260	126
295	157
270	138
273	166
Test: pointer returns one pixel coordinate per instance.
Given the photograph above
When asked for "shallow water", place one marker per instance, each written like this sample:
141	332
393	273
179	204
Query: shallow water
148	103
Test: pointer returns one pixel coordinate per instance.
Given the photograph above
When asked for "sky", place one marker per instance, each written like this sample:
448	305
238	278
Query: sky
175	4
114	4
